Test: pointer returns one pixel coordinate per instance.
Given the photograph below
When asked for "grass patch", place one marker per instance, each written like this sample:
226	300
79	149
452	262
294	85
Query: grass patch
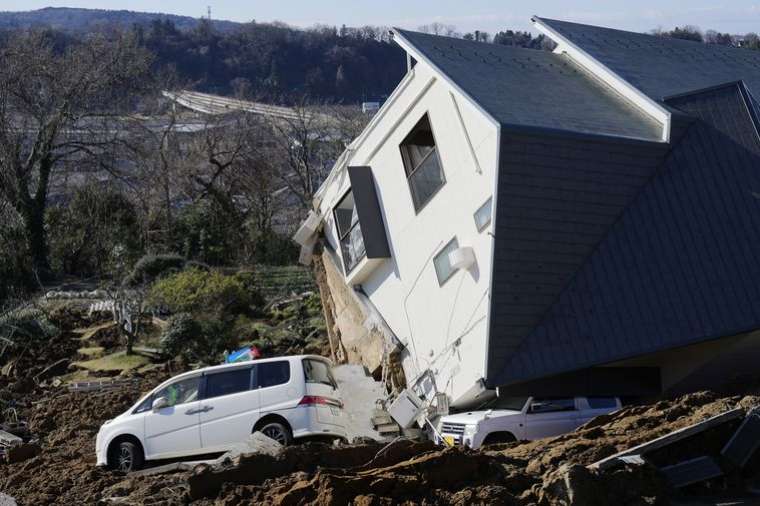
119	361
92	352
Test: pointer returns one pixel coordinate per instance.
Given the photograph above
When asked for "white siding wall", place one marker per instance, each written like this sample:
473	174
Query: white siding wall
428	317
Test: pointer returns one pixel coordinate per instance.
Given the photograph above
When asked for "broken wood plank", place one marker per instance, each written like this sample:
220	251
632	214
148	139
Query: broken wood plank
745	441
691	471
8	439
667	439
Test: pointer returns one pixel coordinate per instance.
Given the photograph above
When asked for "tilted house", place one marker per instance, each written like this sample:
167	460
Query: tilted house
583	221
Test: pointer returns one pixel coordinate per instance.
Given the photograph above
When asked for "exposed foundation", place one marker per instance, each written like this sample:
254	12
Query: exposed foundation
356	333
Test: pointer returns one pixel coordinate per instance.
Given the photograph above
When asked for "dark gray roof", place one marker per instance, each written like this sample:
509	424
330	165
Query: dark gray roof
557	197
661	66
680	264
529	88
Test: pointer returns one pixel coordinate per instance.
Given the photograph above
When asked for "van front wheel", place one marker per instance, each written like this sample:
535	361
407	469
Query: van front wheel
278	432
126	457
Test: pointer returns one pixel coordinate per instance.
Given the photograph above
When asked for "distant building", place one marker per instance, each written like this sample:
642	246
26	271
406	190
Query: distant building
370	107
579	222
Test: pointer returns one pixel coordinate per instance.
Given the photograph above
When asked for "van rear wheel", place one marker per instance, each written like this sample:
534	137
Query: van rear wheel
278	432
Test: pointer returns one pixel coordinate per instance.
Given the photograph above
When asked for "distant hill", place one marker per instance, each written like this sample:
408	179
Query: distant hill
78	20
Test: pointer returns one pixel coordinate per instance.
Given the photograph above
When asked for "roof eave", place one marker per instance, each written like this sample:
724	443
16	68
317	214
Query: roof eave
651	107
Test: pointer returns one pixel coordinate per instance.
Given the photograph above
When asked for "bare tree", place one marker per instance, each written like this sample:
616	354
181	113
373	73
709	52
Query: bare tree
57	110
307	144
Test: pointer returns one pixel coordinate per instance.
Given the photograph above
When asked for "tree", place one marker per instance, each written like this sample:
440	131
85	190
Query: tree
305	145
58	111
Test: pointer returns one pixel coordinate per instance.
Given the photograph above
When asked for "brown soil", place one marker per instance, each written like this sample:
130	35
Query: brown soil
545	472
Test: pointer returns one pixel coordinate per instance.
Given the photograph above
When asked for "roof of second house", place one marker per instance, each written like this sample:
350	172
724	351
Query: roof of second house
661	66
528	88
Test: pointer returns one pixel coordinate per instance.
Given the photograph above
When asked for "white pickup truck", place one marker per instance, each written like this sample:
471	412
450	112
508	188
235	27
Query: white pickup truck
505	419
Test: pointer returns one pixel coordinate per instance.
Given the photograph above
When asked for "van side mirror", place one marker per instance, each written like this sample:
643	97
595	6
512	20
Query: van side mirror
160	403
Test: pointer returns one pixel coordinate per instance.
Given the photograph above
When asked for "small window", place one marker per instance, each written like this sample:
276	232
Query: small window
602	402
273	373
349	232
552	405
144	406
180	392
443	268
421	163
483	215
317	371
228	382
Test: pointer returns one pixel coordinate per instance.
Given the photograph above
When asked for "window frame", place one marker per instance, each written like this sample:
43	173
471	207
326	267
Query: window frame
488	201
251	383
152	397
453	271
259	375
348	268
405	161
545	401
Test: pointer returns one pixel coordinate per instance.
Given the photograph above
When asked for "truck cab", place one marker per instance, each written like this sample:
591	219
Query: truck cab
505	419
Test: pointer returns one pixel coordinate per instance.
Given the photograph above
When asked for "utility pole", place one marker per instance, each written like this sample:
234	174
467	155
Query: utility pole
208	9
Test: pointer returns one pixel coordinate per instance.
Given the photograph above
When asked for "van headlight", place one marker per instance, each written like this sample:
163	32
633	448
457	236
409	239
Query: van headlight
470	430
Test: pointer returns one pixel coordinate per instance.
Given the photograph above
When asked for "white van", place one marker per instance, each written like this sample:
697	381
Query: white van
505	419
210	410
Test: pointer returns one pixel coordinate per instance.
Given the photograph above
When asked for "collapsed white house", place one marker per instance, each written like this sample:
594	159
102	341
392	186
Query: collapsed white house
465	237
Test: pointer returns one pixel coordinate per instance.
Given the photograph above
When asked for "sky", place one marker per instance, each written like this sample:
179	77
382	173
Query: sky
734	16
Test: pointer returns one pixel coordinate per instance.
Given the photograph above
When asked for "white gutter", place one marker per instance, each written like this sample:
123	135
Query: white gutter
606	75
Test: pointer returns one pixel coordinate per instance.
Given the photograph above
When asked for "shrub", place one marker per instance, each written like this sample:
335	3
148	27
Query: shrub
204	292
151	267
86	231
194	340
27	323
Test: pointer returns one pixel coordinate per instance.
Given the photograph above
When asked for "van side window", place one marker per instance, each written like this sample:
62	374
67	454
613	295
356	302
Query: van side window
144	406
180	392
273	373
552	405
228	382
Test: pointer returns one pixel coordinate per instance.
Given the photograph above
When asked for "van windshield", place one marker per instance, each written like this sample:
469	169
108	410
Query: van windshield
512	403
317	371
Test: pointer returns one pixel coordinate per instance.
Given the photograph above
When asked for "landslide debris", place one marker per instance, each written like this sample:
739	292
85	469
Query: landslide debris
549	472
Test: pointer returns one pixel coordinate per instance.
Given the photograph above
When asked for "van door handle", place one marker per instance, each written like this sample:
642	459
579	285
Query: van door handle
206	409
193	411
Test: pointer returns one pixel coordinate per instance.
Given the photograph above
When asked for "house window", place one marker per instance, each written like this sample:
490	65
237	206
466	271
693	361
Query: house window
421	163
349	231
483	215
443	268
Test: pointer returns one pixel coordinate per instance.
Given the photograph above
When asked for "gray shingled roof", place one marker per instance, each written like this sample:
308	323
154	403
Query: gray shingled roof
678	267
661	66
530	88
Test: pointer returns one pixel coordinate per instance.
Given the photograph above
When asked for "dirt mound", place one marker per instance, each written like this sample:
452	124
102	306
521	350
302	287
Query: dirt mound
66	424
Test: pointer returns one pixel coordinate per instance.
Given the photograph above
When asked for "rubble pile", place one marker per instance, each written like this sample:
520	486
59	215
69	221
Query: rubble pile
56	464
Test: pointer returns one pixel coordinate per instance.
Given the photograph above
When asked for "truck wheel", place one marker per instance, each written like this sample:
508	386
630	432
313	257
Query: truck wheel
126	457
278	432
499	437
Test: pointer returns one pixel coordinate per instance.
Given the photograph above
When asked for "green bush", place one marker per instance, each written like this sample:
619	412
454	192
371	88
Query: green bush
25	324
93	233
203	292
202	232
151	267
201	340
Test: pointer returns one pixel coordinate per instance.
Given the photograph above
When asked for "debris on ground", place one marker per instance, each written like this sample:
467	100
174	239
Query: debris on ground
645	454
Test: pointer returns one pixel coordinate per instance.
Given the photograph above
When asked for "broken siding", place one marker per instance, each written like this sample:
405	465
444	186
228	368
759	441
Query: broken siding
679	267
557	198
